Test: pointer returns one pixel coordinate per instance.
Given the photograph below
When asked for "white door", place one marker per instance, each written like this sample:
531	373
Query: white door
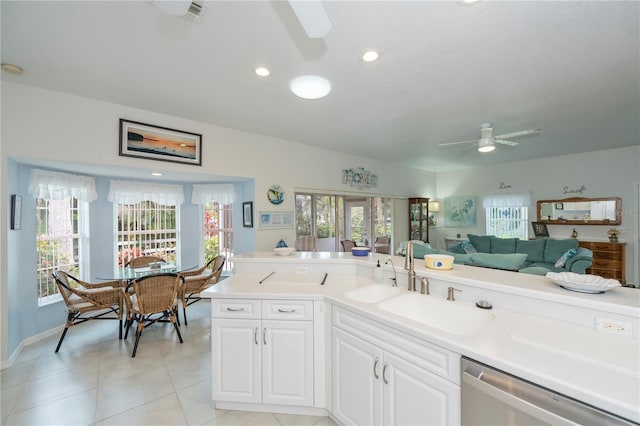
357	389
287	362
235	350
413	396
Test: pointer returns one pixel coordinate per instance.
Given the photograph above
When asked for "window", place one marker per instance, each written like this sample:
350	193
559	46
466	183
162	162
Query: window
218	231
62	227
508	222
507	215
146	228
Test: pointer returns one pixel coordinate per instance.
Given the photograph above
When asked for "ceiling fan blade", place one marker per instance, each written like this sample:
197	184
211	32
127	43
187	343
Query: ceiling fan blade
312	17
518	134
504	142
442	145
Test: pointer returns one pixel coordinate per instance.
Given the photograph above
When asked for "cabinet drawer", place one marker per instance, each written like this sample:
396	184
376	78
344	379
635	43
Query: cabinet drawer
606	264
607	273
607	255
235	308
287	309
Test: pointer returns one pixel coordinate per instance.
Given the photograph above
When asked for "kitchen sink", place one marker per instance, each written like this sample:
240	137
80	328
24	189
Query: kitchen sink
372	293
453	317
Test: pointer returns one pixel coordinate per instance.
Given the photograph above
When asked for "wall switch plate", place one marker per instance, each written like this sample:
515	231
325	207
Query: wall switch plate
609	325
301	270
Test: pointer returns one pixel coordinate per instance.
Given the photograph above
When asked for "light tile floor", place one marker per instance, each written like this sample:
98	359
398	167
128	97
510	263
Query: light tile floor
94	381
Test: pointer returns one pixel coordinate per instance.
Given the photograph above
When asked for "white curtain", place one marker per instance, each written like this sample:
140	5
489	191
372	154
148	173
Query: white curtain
59	186
507	200
126	192
223	193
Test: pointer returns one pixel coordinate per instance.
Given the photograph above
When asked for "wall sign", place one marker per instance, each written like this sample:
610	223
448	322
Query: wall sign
359	178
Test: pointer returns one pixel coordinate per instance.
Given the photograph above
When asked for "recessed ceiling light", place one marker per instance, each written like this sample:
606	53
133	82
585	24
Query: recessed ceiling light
262	72
310	87
370	56
156	174
13	69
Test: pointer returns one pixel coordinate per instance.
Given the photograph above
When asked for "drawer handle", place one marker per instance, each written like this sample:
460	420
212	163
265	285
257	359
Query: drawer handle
286	311
384	373
255	335
235	309
375	369
264	335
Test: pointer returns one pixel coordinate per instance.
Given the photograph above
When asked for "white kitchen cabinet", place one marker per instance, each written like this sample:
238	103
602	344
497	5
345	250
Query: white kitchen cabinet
256	360
374	385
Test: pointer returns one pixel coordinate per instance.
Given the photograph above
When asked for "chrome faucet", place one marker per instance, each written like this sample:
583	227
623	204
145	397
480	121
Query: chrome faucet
409	266
395	277
424	285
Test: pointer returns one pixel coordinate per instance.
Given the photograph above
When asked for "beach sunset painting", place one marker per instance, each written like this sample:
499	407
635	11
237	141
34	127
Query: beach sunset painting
159	143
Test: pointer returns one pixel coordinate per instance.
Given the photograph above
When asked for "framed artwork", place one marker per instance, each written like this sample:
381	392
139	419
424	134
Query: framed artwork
460	212
275	194
540	229
247	214
16	211
159	143
559	206
273	220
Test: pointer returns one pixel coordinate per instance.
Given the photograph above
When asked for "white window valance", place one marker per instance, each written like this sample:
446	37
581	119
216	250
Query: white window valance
59	186
222	193
128	192
507	200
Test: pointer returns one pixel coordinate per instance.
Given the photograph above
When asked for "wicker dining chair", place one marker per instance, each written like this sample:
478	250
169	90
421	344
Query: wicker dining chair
154	299
198	280
140	261
347	245
86	301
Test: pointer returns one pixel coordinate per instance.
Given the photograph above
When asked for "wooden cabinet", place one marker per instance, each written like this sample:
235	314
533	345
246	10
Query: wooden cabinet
387	378
608	259
266	354
419	219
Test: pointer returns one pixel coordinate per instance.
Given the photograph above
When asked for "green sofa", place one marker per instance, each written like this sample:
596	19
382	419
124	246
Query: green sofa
528	256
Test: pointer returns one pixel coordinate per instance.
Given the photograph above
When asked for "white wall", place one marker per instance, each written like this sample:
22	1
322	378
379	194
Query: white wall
610	173
45	126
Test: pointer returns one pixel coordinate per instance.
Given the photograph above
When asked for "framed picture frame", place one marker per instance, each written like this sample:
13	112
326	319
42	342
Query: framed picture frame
275	220
247	214
559	206
16	211
151	142
540	229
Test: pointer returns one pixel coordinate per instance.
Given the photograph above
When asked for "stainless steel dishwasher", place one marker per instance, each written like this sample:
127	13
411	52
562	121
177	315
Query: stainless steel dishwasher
492	397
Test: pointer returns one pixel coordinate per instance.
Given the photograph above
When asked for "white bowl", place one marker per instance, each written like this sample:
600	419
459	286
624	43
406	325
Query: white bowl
438	261
360	251
284	251
582	283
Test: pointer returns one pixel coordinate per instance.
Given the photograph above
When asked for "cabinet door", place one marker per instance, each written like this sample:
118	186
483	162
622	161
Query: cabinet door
357	380
413	396
287	362
235	351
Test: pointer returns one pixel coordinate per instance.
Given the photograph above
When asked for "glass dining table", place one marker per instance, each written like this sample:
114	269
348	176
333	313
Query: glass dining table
130	274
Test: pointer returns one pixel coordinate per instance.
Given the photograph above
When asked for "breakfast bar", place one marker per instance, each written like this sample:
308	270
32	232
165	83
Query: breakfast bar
344	326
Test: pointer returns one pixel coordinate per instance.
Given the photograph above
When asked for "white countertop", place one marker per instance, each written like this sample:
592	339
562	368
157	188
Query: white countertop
598	368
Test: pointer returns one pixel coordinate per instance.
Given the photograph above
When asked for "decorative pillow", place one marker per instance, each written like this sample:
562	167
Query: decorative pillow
482	243
510	262
566	256
468	247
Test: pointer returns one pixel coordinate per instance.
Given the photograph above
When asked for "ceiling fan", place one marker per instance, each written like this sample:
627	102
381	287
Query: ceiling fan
487	141
310	13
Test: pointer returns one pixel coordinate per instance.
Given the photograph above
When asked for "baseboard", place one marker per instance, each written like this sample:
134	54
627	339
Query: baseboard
271	408
29	341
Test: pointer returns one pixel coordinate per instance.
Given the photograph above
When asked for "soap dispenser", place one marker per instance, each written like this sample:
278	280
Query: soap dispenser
377	274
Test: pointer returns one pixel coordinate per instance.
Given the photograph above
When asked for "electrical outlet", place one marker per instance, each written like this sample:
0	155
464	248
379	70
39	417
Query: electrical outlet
609	325
301	270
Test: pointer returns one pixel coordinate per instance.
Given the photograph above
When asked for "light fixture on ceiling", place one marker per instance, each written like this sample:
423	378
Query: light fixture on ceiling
156	174
310	87
370	56
262	72
486	144
13	69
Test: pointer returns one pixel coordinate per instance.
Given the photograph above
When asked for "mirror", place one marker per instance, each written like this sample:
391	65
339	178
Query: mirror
580	211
